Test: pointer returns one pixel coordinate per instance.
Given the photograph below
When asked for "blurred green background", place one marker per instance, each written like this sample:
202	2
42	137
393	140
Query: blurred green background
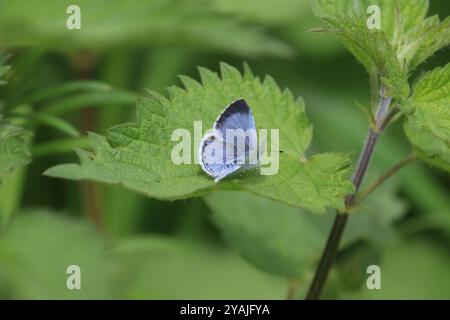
130	246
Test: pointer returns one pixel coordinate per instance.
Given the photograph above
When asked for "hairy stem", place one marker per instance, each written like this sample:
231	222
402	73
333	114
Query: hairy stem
385	176
340	221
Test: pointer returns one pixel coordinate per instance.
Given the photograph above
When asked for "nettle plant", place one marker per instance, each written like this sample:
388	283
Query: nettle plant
260	216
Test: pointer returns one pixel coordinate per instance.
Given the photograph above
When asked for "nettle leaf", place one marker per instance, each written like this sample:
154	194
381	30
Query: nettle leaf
428	120
138	155
14	147
288	241
422	41
397	16
372	49
405	39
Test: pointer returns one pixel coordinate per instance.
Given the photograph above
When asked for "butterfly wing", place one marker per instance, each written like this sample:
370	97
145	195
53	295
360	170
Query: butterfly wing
235	119
235	136
218	158
237	115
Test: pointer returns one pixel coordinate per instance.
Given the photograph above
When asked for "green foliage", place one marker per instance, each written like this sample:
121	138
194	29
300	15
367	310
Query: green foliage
163	268
3	68
70	87
397	16
374	219
60	146
414	269
159	22
372	49
415	181
349	270
138	156
14	147
423	40
428	121
56	123
10	194
145	248
405	40
33	265
281	12
276	238
95	99
287	241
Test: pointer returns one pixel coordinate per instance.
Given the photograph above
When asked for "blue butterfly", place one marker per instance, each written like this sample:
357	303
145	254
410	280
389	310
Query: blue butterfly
232	145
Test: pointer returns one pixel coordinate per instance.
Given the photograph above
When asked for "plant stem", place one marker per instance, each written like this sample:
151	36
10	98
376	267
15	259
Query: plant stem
340	221
389	118
84	66
374	90
385	176
327	257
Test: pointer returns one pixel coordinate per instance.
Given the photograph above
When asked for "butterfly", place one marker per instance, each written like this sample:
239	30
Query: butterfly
232	145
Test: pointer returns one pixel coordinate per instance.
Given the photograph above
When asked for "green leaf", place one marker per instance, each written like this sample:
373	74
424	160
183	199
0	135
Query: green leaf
276	238
397	16
59	146
69	87
428	117
91	99
138	155
400	16
373	50
37	247
288	241
56	123
422	41
11	193
162	268
14	147
405	40
145	23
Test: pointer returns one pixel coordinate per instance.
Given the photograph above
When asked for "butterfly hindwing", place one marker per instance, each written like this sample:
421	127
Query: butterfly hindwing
234	136
217	157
